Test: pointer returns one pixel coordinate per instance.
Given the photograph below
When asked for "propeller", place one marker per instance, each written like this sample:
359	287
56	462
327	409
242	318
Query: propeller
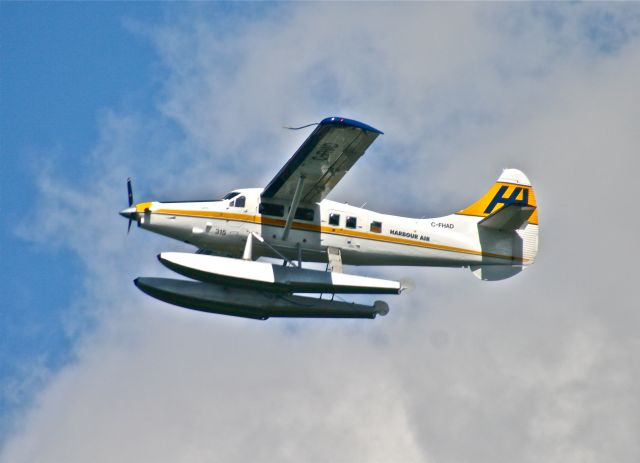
130	212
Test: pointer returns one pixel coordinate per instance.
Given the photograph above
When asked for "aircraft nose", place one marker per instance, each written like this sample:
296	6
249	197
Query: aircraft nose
129	213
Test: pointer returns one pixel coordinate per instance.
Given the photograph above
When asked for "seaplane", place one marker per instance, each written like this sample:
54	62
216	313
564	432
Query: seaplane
252	243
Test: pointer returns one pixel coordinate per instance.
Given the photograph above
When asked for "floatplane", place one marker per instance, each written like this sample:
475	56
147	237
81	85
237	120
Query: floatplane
291	221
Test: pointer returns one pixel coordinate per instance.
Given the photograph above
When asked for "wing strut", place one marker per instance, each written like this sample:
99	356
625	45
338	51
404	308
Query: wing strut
334	260
248	248
292	209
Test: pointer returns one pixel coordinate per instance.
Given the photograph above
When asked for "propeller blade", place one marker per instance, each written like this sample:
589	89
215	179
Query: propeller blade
130	212
130	191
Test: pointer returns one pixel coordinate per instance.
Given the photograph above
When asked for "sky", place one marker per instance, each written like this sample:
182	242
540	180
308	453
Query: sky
189	100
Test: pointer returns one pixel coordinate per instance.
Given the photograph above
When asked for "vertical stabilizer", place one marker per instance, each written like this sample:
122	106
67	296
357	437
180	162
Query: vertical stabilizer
507	216
513	187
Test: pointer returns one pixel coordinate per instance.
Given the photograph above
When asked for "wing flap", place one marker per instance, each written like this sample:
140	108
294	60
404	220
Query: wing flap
322	160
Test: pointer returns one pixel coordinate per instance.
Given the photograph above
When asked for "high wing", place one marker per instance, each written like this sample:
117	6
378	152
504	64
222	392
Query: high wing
322	160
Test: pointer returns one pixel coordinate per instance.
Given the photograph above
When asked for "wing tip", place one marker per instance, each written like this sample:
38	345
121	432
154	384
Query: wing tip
336	120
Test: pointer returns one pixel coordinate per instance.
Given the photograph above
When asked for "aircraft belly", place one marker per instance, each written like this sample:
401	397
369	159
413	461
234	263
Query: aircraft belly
207	233
384	253
175	227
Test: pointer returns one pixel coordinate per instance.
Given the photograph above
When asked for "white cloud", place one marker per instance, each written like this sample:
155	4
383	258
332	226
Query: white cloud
536	368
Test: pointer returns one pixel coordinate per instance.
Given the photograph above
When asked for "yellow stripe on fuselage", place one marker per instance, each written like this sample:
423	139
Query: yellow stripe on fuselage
258	219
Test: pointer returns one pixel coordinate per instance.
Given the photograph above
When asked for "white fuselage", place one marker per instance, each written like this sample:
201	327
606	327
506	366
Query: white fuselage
363	237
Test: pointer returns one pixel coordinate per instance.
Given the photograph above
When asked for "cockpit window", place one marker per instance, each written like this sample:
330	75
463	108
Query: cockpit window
239	202
230	195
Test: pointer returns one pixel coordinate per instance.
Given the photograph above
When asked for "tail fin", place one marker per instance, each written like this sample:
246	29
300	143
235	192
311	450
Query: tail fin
508	218
513	187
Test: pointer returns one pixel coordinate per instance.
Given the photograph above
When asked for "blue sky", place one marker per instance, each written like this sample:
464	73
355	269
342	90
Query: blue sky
189	100
62	64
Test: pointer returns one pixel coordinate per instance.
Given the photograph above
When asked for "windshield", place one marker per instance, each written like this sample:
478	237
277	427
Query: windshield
232	194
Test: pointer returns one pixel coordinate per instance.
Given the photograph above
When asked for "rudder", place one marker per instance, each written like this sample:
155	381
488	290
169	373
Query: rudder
507	209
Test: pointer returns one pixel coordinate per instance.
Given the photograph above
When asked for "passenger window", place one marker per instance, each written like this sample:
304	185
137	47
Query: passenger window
376	227
239	201
351	222
271	209
334	219
302	213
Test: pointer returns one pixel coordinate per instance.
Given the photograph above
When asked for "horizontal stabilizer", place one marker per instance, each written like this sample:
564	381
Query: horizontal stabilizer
510	217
